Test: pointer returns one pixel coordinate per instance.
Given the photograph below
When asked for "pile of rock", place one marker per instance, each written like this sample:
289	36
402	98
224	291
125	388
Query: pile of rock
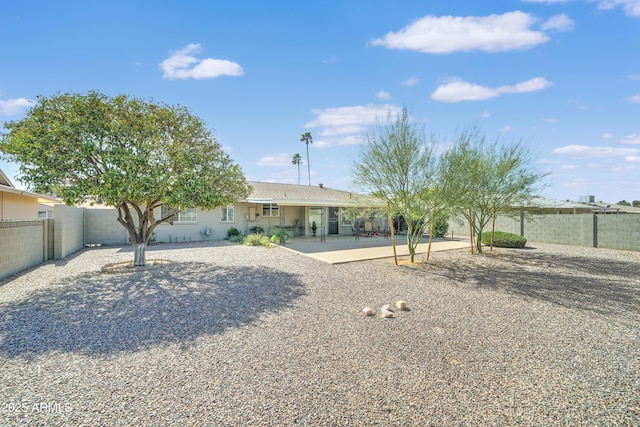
386	311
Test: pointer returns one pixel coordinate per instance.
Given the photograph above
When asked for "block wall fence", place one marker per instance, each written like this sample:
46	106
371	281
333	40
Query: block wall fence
590	230
24	244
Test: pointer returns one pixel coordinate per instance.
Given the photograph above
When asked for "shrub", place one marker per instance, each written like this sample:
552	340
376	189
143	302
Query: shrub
440	227
233	232
279	238
256	230
502	239
236	239
257	240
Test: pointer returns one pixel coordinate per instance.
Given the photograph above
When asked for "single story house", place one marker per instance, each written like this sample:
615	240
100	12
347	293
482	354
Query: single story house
273	207
16	204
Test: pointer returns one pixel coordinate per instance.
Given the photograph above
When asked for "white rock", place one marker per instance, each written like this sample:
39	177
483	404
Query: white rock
368	311
401	305
387	313
386	307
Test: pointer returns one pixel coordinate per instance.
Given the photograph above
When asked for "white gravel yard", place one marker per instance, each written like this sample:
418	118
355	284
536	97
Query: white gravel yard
226	335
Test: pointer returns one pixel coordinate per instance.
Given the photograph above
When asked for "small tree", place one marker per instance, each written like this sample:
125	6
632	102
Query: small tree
623	203
297	160
488	178
398	165
307	139
636	203
125	152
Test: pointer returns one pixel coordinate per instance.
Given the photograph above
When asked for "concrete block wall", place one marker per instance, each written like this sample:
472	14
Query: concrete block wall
619	232
68	230
21	246
101	227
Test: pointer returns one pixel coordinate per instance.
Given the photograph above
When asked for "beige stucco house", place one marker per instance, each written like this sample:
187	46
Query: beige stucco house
274	207
16	204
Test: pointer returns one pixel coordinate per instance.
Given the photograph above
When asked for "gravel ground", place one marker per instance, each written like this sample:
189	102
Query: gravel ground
222	334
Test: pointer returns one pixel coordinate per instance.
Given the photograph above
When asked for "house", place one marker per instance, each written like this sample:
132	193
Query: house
16	204
273	207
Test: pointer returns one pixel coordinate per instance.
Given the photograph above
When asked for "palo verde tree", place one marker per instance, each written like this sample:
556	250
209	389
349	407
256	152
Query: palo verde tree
488	178
398	165
307	139
125	152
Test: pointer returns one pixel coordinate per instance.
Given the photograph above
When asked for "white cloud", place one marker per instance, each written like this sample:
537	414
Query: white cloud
507	128
634	76
411	81
12	107
607	135
551	120
457	90
282	159
345	125
634	98
583	151
181	64
632	159
559	23
446	34
631	139
631	7
485	115
383	94
545	1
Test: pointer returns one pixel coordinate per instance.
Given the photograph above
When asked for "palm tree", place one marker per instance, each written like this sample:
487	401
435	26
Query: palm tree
297	159
307	139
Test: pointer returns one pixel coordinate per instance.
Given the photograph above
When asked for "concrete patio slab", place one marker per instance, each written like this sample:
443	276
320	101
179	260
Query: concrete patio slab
338	250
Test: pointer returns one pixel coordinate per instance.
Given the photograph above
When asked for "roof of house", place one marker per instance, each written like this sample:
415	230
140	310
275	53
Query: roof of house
543	203
320	195
7	186
4	180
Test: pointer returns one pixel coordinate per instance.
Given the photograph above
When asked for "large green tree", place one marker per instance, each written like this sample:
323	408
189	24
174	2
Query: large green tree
398	164
125	152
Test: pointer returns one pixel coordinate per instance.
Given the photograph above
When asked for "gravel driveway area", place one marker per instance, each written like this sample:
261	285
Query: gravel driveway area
226	335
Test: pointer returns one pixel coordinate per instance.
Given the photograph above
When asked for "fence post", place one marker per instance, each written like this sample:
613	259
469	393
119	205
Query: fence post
595	230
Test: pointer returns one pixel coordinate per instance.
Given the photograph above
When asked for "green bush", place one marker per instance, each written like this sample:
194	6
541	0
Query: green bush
256	230
236	239
440	227
279	238
255	239
502	239
233	232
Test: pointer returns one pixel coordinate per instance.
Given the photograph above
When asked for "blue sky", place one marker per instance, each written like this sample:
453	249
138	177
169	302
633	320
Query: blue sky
562	76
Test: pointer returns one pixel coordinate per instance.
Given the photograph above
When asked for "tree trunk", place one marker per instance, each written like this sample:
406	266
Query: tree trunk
139	254
308	164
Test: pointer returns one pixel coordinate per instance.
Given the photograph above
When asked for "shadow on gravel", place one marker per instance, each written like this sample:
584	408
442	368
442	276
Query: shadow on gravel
585	283
104	313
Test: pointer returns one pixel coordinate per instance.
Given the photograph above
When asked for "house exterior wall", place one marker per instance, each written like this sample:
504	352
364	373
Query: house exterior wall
18	207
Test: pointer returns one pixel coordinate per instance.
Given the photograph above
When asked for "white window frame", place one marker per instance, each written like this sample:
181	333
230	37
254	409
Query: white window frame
224	213
185	216
270	207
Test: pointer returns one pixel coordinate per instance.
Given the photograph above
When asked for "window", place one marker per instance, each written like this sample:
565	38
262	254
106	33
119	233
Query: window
347	217
42	214
227	213
270	209
185	215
